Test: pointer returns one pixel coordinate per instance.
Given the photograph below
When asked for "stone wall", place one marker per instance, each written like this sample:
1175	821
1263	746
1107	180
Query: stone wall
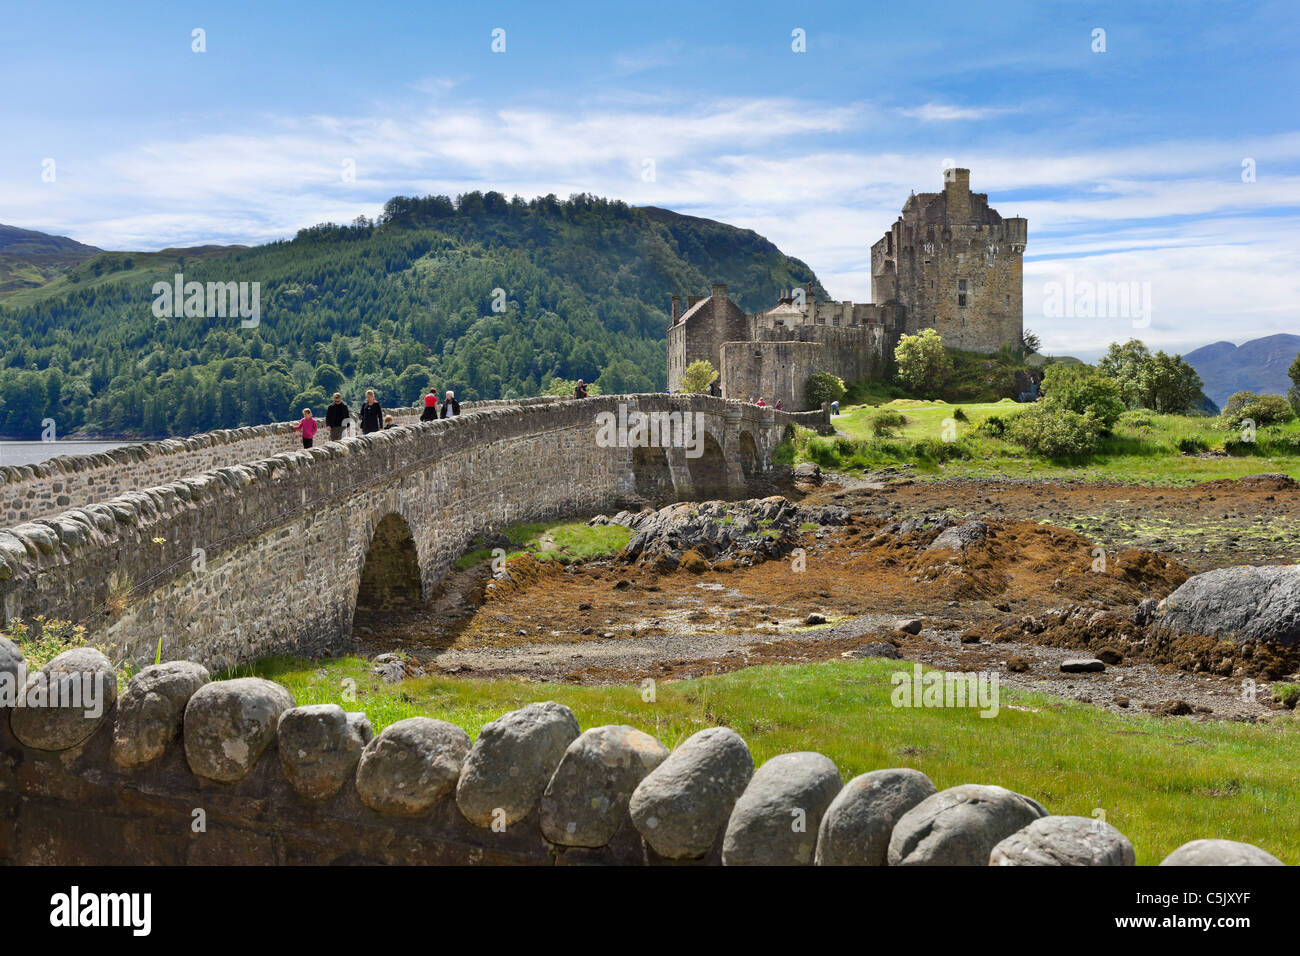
184	770
28	492
267	557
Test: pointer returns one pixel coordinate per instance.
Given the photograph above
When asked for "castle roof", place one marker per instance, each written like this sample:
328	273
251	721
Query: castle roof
697	307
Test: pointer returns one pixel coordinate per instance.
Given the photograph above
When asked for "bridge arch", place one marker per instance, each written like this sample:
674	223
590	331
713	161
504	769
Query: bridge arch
751	464
390	571
709	478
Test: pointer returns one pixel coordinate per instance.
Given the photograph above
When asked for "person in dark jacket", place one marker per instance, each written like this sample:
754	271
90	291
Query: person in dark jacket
580	390
335	416
372	414
450	407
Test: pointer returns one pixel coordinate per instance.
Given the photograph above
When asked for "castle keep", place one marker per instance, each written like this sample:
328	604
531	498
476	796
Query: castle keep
950	263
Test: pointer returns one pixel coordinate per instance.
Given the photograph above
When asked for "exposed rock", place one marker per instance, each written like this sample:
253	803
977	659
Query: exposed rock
151	710
909	625
586	801
960	826
512	761
812	620
746	532
411	765
775	821
1065	841
682	805
1238	603
856	828
230	723
1220	853
874	649
1082	665
961	537
320	745
66	701
808	471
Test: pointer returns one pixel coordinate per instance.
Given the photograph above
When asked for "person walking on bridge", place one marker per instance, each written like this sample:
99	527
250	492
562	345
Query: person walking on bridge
430	412
580	390
372	414
335	416
450	407
307	426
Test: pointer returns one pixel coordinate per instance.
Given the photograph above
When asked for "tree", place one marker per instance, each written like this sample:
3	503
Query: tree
1160	382
1260	409
1030	343
924	365
622	377
1084	390
699	375
823	387
329	378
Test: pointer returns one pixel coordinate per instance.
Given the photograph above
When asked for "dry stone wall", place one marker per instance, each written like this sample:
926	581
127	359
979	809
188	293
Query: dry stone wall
184	770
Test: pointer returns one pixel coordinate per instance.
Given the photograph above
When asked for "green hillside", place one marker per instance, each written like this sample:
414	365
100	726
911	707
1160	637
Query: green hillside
30	259
396	305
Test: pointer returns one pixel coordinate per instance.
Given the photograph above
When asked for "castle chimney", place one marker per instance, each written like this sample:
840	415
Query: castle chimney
956	190
719	290
808	295
677	308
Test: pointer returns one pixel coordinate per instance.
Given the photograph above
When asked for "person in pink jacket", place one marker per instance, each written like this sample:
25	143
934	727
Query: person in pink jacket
307	426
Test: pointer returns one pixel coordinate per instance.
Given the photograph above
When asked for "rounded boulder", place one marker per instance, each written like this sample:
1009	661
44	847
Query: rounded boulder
66	701
1220	853
511	762
857	825
1065	841
152	709
411	765
775	821
230	723
683	804
320	746
585	802
960	826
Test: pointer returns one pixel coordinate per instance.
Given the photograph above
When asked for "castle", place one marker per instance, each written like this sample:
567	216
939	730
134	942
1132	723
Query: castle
948	263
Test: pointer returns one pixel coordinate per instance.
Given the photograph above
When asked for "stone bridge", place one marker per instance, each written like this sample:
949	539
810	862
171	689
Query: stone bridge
261	555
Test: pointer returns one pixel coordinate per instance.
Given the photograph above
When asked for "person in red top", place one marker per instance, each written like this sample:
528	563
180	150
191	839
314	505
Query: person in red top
307	426
430	412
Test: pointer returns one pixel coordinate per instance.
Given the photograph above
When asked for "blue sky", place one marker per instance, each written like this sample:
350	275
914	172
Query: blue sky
1128	163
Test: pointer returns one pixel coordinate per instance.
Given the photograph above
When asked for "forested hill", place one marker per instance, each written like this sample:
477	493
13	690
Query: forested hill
397	305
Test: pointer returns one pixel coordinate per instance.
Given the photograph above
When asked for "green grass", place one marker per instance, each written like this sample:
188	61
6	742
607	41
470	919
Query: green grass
564	541
1145	448
1162	782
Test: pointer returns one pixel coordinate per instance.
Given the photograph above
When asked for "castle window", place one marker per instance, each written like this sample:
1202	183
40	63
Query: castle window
1008	300
961	285
961	300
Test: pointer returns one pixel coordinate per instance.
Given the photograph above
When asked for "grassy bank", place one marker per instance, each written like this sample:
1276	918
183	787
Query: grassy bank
1145	447
563	541
1162	782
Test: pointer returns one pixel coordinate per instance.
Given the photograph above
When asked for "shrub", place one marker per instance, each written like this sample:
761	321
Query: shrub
699	375
959	414
885	422
823	452
1083	389
823	387
1137	419
1191	445
1055	433
995	426
924	365
1261	409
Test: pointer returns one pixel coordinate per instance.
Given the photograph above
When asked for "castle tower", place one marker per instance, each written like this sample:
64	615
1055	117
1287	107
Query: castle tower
955	265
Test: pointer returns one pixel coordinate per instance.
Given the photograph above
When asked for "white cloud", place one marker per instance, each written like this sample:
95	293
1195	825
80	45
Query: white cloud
1219	253
947	113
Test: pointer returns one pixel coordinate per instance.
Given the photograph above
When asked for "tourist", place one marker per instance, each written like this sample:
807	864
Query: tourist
335	416
580	390
388	422
450	407
760	403
372	414
307	426
835	408
430	412
778	404
715	389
